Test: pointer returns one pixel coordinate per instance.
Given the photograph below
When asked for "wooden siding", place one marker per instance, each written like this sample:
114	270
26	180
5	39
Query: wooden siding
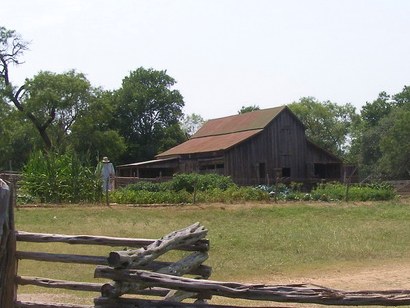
282	144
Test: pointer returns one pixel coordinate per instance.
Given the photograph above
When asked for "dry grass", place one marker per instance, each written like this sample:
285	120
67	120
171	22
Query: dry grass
277	243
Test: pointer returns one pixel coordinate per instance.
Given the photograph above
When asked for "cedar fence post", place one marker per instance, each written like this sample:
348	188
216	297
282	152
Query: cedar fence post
8	266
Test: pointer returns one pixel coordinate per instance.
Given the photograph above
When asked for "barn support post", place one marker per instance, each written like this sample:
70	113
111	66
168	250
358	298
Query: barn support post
8	265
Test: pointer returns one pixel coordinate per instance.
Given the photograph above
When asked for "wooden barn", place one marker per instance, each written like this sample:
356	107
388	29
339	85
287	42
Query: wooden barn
252	148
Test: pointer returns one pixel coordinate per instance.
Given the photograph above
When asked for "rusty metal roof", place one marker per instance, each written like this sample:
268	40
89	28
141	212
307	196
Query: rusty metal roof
210	143
242	122
223	133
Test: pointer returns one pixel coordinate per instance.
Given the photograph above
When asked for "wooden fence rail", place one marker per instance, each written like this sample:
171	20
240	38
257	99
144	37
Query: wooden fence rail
190	239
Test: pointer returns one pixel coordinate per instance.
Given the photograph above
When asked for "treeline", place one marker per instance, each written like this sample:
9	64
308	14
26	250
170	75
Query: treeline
376	139
64	113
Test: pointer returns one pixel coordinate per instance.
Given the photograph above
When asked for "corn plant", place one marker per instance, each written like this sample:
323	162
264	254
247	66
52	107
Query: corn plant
56	178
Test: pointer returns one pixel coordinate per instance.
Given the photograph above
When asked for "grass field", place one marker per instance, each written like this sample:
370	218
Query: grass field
249	242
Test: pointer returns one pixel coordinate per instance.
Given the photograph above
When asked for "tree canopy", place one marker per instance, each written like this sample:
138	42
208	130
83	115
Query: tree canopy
385	139
146	108
328	124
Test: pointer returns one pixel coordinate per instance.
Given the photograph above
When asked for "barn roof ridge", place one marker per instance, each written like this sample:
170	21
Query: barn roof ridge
257	119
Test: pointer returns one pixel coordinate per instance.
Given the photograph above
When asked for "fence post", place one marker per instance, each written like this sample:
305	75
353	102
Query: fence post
8	292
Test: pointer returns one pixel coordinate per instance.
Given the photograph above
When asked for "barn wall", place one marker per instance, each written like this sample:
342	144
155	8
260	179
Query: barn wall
281	145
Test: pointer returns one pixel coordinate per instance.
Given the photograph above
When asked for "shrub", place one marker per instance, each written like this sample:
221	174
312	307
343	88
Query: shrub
127	196
200	182
232	194
184	188
143	185
357	192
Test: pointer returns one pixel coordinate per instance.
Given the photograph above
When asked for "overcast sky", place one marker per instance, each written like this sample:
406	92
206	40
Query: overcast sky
224	54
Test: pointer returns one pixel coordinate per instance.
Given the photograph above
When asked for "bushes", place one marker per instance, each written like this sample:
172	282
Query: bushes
128	196
331	192
197	182
53	178
188	188
356	192
210	188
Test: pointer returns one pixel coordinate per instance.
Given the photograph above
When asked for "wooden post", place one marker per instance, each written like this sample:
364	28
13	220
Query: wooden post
107	186
8	267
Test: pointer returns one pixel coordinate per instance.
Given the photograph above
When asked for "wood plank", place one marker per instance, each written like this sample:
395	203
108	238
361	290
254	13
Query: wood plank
132	258
296	293
202	270
184	266
22	236
24	304
103	302
63	258
58	284
81	286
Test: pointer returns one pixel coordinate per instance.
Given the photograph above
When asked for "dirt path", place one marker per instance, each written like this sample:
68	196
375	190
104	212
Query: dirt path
385	276
380	277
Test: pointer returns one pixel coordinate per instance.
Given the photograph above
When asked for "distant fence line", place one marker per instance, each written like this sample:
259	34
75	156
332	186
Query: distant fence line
402	187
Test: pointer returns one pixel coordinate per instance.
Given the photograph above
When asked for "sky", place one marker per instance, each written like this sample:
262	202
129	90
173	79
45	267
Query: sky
224	54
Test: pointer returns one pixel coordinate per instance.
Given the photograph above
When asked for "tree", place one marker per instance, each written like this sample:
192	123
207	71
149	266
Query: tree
146	106
191	123
12	47
52	102
373	112
56	101
329	125
395	145
93	132
246	109
17	139
385	142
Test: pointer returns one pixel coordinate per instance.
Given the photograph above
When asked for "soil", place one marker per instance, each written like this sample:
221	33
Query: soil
386	276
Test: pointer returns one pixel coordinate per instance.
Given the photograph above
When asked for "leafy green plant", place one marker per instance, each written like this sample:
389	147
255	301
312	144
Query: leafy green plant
356	192
201	182
56	178
128	196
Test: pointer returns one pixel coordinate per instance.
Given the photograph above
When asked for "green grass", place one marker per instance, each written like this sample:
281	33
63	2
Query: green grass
248	243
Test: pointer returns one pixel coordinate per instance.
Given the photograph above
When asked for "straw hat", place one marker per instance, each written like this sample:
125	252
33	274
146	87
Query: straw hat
105	159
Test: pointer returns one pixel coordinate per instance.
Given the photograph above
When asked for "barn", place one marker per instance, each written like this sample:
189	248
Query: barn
252	148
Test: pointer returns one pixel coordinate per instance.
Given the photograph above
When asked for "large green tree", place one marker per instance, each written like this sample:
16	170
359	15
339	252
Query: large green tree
17	139
65	110
395	145
385	141
148	113
56	101
328	124
52	102
93	132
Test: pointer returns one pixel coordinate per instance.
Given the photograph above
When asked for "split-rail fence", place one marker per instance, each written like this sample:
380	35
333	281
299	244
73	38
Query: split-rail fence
135	277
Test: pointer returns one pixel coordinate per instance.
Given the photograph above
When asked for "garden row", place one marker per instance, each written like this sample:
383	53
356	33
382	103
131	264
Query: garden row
68	178
210	188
